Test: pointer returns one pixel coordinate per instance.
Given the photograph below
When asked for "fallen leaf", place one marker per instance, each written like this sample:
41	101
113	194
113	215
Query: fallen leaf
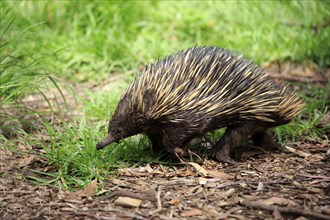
260	186
202	181
198	168
249	172
277	201
192	212
174	201
5	152
221	175
148	168
223	203
128	202
90	189
23	162
87	191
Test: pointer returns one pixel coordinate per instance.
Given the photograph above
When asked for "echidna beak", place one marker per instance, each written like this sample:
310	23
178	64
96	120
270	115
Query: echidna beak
106	141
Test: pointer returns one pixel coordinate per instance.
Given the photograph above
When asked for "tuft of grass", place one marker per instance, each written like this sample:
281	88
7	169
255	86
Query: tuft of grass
312	124
21	73
75	161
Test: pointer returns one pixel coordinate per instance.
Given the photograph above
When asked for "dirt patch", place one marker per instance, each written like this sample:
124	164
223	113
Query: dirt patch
282	184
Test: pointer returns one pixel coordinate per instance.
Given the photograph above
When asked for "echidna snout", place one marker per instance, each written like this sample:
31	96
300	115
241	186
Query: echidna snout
105	142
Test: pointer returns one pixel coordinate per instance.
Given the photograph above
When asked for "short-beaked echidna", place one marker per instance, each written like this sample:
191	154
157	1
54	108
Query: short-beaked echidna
198	90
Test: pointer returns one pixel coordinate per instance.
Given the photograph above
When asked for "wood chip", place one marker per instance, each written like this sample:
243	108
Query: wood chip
192	212
128	202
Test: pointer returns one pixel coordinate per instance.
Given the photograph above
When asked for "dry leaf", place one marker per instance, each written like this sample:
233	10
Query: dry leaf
202	181
260	186
278	201
174	201
221	175
88	191
128	202
298	152
148	168
249	172
192	212
198	168
25	160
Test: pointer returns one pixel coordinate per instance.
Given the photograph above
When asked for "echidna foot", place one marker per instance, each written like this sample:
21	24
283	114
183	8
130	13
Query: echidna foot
265	139
223	156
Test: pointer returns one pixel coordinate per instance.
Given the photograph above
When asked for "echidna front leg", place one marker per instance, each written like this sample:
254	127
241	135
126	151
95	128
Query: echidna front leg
231	139
172	139
167	139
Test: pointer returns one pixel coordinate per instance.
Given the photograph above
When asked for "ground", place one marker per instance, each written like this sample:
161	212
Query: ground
290	183
297	179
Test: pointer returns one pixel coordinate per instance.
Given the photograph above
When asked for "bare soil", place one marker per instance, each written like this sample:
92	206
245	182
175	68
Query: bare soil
283	184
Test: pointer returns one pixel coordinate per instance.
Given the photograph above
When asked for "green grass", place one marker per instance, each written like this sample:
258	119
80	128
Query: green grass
309	125
98	38
89	42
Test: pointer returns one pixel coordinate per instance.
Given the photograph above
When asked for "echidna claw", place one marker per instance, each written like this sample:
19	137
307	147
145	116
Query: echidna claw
193	153
179	158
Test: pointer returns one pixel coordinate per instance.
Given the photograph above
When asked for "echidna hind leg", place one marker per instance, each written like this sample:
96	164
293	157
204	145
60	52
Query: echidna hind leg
265	139
231	139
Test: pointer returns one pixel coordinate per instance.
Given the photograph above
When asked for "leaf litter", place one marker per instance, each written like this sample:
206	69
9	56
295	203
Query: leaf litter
264	187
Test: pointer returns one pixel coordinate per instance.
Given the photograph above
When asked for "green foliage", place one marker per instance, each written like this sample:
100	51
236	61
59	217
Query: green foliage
21	72
102	37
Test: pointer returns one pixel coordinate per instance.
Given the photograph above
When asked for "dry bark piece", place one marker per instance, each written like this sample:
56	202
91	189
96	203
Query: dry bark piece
174	201
192	212
298	152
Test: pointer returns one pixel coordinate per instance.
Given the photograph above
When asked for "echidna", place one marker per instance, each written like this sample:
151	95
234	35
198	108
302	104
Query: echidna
198	90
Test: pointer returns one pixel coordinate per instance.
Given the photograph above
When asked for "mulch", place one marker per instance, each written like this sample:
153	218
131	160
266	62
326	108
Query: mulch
285	184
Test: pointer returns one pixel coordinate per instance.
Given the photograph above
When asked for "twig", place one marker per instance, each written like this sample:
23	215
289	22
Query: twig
159	202
327	178
285	210
130	194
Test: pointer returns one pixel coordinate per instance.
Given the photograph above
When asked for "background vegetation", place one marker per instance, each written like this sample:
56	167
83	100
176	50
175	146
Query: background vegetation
81	43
